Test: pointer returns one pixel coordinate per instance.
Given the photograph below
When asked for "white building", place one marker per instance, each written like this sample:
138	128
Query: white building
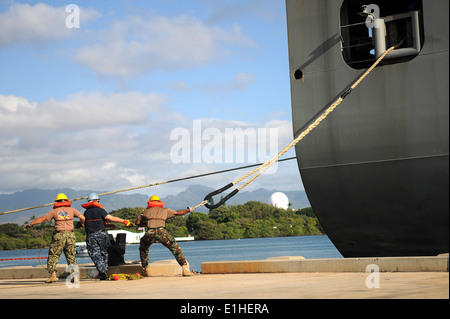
134	238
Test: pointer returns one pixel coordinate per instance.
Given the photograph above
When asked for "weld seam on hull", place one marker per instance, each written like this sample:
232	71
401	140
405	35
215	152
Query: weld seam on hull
374	162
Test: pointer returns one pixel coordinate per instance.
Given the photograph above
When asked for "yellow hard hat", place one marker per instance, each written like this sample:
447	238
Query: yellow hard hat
154	197
61	196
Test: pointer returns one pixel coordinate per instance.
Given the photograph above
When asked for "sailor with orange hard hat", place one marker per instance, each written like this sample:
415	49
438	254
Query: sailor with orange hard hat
154	218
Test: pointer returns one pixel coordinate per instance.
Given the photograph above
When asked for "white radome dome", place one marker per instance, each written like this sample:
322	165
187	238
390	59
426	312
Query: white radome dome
279	200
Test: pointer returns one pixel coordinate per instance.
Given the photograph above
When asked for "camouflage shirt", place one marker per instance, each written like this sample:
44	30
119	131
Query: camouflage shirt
63	217
154	217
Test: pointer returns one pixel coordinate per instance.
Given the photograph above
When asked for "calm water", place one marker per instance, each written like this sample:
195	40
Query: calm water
196	252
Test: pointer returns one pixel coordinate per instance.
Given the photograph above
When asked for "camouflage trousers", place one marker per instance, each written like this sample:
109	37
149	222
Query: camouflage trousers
61	242
97	246
160	235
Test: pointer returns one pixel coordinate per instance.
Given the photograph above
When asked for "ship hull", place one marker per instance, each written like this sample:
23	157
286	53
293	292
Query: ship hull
376	171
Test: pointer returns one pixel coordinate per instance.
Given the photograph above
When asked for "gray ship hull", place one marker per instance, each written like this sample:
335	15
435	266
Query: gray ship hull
376	171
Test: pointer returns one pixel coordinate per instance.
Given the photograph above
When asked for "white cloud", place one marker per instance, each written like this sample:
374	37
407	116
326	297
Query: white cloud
229	142
230	10
80	110
108	141
180	86
68	142
240	82
137	46
26	24
105	141
12	104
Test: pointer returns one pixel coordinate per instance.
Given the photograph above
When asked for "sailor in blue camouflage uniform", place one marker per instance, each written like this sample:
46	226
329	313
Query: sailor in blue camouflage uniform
97	238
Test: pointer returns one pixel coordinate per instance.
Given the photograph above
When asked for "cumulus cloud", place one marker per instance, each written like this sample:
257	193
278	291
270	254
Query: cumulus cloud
239	82
110	141
53	143
137	46
79	111
38	24
226	10
228	142
214	144
180	86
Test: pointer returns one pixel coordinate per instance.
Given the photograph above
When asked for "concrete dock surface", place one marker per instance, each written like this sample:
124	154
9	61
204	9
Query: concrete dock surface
398	285
291	277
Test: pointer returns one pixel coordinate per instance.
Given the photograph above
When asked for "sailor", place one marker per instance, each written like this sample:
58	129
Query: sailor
63	238
154	218
96	235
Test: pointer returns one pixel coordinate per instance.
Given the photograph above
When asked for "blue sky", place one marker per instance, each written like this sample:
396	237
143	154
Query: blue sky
94	107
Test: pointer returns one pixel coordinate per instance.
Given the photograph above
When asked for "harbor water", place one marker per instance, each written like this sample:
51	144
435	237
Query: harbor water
196	252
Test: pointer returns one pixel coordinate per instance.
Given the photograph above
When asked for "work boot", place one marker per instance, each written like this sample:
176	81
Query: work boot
186	271
146	272
52	278
102	276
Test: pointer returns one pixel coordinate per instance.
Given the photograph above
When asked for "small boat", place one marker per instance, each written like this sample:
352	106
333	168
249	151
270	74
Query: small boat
187	238
135	238
81	251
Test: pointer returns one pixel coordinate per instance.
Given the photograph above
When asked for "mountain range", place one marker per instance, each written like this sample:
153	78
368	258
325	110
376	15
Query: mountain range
193	195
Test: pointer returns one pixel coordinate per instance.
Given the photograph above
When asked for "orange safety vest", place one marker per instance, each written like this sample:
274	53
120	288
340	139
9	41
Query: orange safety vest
152	203
62	204
92	204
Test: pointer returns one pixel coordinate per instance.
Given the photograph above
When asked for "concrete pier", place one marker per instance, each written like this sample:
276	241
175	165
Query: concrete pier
293	264
398	285
287	264
88	271
274	278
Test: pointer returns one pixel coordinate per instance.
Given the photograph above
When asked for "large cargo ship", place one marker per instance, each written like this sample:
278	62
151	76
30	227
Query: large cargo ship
376	171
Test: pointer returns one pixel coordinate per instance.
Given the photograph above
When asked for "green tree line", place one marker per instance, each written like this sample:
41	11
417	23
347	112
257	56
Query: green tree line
13	236
250	220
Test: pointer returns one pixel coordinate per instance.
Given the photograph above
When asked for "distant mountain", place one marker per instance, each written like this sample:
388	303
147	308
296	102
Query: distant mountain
193	195
35	197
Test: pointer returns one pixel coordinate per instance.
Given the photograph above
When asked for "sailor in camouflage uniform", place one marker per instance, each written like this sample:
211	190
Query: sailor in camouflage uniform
97	238
154	218
63	239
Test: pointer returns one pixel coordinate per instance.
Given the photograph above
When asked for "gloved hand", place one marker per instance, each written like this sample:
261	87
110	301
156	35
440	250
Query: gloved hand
127	223
27	226
191	209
